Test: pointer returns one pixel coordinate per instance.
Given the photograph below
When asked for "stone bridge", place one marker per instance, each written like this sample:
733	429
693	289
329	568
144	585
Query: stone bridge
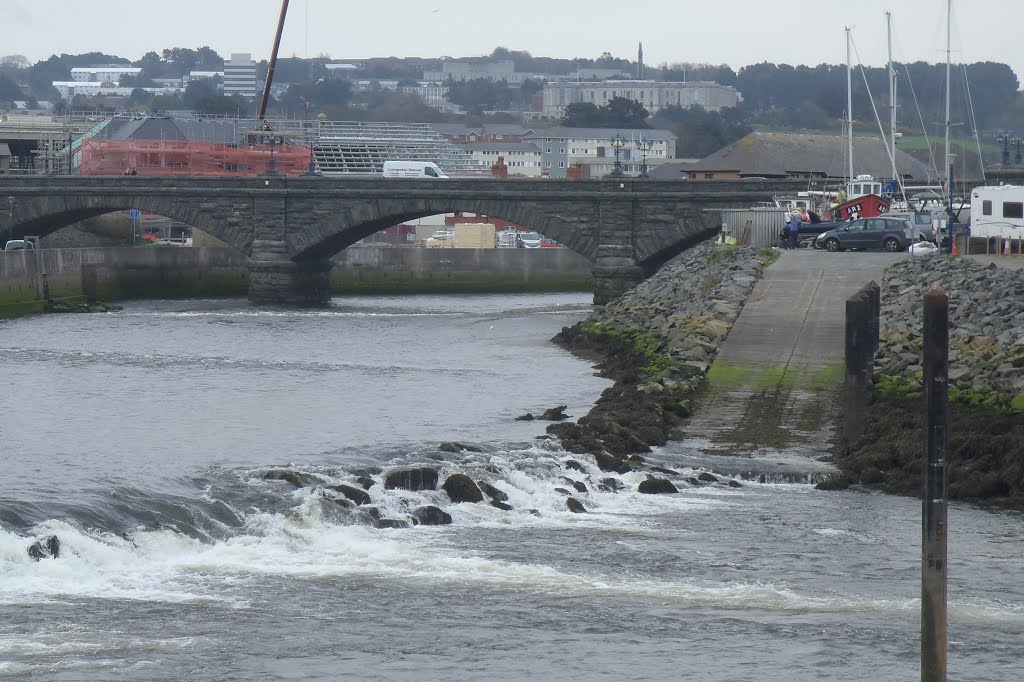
289	227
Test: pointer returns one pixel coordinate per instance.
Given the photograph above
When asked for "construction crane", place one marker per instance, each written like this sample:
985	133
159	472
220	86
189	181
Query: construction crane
262	112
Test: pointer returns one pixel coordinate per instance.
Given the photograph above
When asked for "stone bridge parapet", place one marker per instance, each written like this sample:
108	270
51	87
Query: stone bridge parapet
289	227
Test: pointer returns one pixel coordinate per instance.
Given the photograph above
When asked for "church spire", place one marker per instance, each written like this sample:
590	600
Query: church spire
640	62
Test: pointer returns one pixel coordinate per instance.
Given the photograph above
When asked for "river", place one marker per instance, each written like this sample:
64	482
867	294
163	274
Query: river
139	439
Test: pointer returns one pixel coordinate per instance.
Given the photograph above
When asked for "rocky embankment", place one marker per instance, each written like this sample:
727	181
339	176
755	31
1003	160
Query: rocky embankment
657	342
985	463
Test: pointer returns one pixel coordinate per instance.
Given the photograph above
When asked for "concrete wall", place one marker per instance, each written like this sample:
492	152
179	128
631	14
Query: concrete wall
122	273
384	269
175	272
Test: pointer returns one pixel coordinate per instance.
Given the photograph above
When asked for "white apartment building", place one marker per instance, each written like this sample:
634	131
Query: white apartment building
522	158
653	95
594	149
102	74
240	75
432	94
69	89
504	70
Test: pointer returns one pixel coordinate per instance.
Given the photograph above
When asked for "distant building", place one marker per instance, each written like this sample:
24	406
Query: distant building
594	150
504	70
240	75
491	132
347	71
653	95
432	93
203	75
70	89
102	74
795	156
522	158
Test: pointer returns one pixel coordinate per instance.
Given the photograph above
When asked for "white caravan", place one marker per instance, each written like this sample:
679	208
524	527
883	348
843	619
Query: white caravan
997	212
412	169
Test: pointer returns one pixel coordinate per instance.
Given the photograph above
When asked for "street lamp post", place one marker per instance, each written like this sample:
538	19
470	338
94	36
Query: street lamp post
617	142
10	218
309	138
645	146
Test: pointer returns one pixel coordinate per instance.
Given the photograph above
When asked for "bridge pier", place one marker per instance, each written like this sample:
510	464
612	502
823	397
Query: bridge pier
302	283
615	272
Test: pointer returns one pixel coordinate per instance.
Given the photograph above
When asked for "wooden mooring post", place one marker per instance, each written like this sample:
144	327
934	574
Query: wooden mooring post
862	328
934	508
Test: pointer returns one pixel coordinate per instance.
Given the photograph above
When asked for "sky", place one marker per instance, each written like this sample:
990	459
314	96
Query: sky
733	32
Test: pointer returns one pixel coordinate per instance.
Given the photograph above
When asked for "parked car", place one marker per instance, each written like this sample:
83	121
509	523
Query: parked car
889	234
925	224
18	245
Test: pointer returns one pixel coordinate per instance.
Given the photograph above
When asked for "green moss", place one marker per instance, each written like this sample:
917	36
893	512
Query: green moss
911	387
725	376
826	378
771	377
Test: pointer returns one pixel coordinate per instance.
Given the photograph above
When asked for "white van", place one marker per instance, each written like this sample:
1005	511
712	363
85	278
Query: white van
18	245
412	169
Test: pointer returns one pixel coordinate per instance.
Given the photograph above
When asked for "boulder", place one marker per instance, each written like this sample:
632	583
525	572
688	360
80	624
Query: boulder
45	548
461	488
575	466
391	523
733	483
575	506
707	478
501	505
296	478
413	478
492	492
455	446
431	516
358	496
656	486
366	482
580	486
610	463
555	414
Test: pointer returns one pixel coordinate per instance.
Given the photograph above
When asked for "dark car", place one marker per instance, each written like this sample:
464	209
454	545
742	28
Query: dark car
889	234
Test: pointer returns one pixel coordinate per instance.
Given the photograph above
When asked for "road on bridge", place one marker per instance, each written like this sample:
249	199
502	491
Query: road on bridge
773	393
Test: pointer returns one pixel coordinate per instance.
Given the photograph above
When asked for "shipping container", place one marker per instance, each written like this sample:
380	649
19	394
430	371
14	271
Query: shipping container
754	226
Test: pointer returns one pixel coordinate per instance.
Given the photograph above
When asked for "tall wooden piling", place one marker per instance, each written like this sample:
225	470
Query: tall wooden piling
859	355
934	510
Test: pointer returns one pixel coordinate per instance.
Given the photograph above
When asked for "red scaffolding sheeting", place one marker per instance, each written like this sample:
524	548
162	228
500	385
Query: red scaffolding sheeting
174	157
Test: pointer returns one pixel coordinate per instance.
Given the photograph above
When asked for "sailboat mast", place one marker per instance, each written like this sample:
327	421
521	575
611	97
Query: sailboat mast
849	108
892	97
949	27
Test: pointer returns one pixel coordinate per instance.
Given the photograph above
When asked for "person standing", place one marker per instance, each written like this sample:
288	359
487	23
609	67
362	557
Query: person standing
794	230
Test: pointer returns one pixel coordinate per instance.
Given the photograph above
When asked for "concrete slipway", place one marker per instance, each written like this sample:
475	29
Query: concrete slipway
773	395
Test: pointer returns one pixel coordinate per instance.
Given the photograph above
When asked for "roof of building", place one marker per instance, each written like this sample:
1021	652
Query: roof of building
603	133
223	131
501	146
488	128
782	154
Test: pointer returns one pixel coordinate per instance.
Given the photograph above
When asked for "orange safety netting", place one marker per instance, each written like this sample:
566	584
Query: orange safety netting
172	157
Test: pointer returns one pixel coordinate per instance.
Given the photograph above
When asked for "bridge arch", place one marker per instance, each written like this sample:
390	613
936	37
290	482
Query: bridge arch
358	222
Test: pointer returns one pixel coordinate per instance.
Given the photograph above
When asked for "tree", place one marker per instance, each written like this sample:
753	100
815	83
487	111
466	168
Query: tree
219	104
582	115
701	132
9	90
618	113
197	90
16	62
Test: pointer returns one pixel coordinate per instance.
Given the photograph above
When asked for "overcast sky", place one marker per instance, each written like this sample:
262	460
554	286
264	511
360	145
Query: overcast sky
734	32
